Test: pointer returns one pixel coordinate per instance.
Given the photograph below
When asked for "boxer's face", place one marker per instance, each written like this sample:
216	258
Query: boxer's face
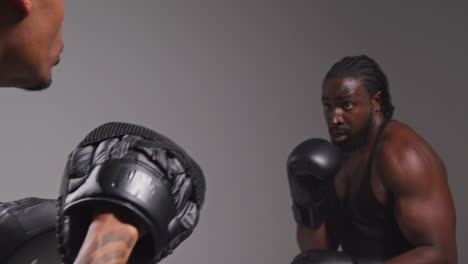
34	44
348	111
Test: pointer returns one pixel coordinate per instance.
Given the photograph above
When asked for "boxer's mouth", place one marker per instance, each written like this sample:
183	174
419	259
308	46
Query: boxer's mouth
339	138
339	135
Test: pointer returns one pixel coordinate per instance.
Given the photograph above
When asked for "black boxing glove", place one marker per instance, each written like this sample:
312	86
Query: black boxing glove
331	257
311	168
140	172
23	220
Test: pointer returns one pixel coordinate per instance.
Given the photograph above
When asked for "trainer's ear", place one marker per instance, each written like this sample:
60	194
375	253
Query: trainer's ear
24	6
377	101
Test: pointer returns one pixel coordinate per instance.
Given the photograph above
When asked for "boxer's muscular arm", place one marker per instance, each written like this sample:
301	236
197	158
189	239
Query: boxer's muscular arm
110	239
423	205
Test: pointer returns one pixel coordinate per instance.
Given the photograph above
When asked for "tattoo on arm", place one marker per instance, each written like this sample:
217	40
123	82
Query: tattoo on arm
111	247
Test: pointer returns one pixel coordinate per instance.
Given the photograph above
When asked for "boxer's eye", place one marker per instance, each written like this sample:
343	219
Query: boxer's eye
347	106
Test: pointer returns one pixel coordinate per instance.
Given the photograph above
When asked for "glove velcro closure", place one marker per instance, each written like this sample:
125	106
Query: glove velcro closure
307	215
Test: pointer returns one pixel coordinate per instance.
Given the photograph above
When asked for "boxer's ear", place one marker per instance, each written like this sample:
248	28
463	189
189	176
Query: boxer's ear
377	101
23	6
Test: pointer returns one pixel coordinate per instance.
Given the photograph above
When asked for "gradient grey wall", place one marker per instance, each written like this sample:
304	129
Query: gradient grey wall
238	85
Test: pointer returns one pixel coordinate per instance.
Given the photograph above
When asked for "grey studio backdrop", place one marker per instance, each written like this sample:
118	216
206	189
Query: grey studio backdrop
237	84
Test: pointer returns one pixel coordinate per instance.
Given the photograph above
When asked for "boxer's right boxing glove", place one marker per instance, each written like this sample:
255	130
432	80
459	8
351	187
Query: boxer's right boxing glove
311	168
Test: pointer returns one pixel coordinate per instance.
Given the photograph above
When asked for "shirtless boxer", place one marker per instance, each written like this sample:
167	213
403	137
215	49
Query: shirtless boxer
379	190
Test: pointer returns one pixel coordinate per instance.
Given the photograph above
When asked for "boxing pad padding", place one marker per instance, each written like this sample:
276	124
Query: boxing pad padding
141	173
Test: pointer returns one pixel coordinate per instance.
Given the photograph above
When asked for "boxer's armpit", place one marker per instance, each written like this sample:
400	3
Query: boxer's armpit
108	241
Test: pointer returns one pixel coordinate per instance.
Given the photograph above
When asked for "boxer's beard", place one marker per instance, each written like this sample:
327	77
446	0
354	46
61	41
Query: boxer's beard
356	140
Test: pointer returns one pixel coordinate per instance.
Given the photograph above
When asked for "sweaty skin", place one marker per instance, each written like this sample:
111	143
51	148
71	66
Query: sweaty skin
407	176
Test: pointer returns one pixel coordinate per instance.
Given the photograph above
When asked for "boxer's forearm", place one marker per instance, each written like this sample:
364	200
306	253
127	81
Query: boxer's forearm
109	240
309	239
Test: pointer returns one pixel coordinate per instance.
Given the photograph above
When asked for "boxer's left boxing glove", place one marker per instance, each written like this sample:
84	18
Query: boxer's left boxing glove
23	220
331	257
140	172
311	168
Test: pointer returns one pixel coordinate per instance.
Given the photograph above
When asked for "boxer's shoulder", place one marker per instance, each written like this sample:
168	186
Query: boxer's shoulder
398	134
399	140
405	156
